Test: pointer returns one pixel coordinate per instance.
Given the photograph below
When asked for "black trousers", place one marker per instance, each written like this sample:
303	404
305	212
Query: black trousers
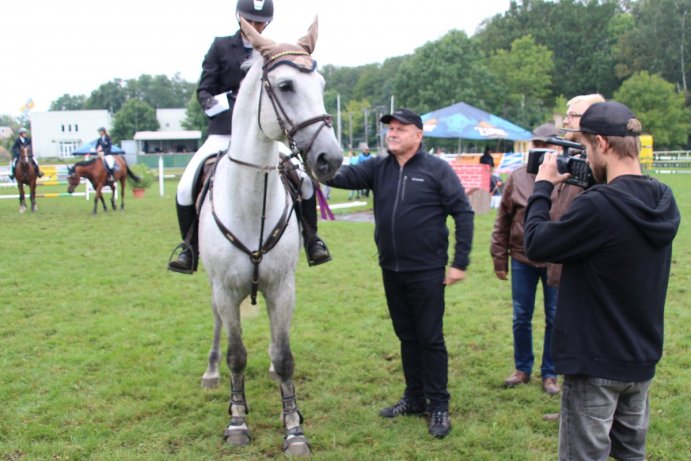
416	305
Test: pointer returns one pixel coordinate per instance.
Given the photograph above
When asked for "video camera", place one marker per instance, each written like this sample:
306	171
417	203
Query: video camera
566	163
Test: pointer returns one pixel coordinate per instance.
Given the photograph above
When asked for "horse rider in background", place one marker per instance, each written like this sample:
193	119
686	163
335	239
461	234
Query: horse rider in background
103	147
23	140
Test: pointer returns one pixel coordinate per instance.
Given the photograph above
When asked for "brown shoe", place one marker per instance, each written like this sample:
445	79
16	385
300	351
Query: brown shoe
551	386
516	378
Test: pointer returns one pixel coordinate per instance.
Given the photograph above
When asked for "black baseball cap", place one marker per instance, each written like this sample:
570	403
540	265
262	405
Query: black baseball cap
609	118
405	116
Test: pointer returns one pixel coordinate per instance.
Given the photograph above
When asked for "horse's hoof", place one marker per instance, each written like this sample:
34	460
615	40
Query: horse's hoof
296	446
210	382
237	436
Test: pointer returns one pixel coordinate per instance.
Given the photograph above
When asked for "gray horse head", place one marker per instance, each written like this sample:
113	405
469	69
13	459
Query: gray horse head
293	101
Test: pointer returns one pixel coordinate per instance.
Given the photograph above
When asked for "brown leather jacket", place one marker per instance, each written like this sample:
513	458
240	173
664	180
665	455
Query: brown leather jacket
507	235
565	195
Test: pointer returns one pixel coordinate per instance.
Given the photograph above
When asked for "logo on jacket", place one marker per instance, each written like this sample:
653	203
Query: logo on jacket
258	5
417	179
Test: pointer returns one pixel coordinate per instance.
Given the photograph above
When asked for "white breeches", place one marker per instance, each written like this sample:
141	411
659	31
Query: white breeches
213	144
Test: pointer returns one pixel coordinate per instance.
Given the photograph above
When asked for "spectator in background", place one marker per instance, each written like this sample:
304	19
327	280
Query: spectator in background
567	192
507	242
486	158
364	157
496	186
352	161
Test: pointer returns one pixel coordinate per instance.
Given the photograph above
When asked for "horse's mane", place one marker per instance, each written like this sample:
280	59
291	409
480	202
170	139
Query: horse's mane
85	162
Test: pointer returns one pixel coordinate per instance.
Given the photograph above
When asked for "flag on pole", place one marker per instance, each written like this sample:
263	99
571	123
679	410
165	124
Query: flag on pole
28	105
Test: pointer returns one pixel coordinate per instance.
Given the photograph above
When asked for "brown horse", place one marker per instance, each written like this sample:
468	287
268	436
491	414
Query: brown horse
25	173
96	173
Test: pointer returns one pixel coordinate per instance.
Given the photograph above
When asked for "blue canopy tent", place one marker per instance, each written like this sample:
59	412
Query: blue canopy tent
464	121
90	148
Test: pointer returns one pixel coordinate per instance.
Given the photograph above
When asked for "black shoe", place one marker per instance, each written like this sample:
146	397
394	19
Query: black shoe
439	424
184	264
40	174
111	178
317	253
403	407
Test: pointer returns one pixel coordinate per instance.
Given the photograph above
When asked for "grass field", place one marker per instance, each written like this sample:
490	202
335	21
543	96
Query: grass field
102	349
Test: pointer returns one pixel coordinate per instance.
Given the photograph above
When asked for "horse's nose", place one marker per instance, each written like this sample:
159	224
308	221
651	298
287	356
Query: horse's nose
325	166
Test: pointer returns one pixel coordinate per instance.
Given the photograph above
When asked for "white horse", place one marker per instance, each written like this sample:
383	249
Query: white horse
249	239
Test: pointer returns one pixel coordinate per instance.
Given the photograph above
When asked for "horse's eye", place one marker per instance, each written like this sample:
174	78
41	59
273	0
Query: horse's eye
285	85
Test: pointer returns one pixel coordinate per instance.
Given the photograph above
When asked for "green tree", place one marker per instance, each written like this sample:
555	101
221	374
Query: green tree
659	107
660	42
441	73
68	102
195	118
160	91
109	96
133	116
525	76
579	33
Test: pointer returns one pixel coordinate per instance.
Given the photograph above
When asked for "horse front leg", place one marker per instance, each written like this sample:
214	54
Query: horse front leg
122	195
212	376
280	305
237	432
32	196
22	201
112	197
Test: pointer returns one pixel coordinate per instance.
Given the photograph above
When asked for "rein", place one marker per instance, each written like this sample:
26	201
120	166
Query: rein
276	233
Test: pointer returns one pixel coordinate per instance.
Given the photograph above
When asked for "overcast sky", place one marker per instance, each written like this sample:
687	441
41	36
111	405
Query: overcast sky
53	47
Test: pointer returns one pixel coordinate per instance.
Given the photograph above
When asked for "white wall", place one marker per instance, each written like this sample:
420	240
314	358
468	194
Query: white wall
57	133
170	119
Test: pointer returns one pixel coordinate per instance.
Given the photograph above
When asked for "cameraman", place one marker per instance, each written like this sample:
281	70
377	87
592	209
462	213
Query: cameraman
615	243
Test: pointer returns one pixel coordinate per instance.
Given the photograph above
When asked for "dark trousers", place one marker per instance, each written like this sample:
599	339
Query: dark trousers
416	305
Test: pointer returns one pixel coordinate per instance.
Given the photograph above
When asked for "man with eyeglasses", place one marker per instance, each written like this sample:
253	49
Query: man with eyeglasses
567	192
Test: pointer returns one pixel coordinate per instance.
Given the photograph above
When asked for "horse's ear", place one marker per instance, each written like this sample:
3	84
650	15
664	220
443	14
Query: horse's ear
264	45
309	41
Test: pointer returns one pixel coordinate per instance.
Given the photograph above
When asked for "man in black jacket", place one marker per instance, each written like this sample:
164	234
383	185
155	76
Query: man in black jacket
219	83
615	243
414	193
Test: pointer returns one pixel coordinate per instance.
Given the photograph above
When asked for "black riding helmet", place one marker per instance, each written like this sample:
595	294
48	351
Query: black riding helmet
256	10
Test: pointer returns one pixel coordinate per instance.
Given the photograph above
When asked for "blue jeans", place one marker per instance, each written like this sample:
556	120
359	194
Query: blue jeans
524	279
602	418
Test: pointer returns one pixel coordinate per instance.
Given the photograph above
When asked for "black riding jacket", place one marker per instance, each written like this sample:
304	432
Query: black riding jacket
411	205
221	73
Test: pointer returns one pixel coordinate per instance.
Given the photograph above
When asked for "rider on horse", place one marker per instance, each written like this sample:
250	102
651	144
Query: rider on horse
220	80
103	148
23	141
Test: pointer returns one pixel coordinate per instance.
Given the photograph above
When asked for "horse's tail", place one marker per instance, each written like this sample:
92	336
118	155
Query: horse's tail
131	174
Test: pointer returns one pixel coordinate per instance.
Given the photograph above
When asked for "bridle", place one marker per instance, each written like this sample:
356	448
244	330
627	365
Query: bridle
289	129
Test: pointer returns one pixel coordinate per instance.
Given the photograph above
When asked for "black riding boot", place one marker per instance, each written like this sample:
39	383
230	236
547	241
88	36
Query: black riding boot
12	170
188	258
317	252
39	173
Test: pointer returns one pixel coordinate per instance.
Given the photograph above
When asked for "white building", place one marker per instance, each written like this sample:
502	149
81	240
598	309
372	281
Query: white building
58	133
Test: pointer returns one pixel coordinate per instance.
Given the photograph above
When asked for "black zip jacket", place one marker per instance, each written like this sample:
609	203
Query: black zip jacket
615	242
411	205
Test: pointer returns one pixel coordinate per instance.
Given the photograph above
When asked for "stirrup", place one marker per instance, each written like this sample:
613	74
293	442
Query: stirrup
183	246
